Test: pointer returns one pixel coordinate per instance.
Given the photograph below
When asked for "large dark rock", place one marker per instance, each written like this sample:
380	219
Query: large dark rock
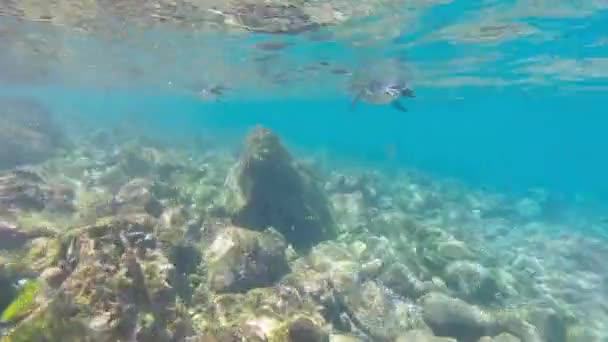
28	133
267	188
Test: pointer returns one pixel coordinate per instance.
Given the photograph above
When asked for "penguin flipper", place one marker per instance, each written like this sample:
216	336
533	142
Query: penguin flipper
356	100
399	106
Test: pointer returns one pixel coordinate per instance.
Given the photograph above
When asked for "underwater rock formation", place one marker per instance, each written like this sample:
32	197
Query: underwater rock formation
241	259
28	133
267	188
113	287
504	337
154	256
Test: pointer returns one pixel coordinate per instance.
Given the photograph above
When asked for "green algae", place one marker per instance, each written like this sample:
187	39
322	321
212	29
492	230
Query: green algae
24	303
50	323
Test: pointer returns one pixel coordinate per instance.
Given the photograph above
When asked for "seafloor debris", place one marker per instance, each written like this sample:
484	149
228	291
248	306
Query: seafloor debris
154	255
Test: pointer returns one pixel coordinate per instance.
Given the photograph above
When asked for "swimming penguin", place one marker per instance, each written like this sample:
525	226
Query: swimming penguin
383	92
381	81
213	93
208	92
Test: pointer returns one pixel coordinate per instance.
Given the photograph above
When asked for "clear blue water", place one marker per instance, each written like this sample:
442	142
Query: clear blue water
505	139
509	107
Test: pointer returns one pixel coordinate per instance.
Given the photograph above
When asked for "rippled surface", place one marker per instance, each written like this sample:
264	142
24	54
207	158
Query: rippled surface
440	43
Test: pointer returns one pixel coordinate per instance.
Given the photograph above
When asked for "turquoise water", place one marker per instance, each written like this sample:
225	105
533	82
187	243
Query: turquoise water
507	139
490	191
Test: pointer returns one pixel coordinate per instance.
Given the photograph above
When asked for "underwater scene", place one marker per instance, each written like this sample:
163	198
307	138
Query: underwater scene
303	171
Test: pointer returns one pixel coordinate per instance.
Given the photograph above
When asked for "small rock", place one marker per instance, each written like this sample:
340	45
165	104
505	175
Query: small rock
137	197
343	338
358	248
504	337
54	276
378	313
404	282
240	259
454	250
472	281
422	336
550	325
304	330
455	318
371	269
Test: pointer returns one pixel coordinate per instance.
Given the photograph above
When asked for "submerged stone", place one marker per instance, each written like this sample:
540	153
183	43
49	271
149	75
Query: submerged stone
455	318
304	330
137	197
504	337
267	188
241	259
454	250
422	336
378	313
404	282
472	281
277	313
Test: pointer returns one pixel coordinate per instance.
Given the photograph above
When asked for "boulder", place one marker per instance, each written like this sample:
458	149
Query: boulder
267	188
239	259
455	318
